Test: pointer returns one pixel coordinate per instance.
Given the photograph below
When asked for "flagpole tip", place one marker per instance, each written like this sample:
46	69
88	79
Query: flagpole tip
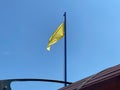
64	14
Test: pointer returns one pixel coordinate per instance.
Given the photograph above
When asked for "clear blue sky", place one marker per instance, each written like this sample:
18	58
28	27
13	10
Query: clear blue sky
93	39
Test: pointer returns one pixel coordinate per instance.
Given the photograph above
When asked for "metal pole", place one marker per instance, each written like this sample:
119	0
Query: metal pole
65	51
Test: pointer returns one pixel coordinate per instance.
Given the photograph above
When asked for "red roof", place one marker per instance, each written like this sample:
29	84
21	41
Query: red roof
107	74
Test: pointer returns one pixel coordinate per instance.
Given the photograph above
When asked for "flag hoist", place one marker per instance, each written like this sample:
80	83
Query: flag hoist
59	33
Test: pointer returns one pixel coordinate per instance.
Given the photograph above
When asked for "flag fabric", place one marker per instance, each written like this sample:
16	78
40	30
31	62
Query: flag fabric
56	36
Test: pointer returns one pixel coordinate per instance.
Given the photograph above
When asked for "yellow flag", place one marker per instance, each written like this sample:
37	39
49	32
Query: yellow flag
56	36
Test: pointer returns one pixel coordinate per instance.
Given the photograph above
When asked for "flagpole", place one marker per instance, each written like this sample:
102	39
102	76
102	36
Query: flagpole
65	51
